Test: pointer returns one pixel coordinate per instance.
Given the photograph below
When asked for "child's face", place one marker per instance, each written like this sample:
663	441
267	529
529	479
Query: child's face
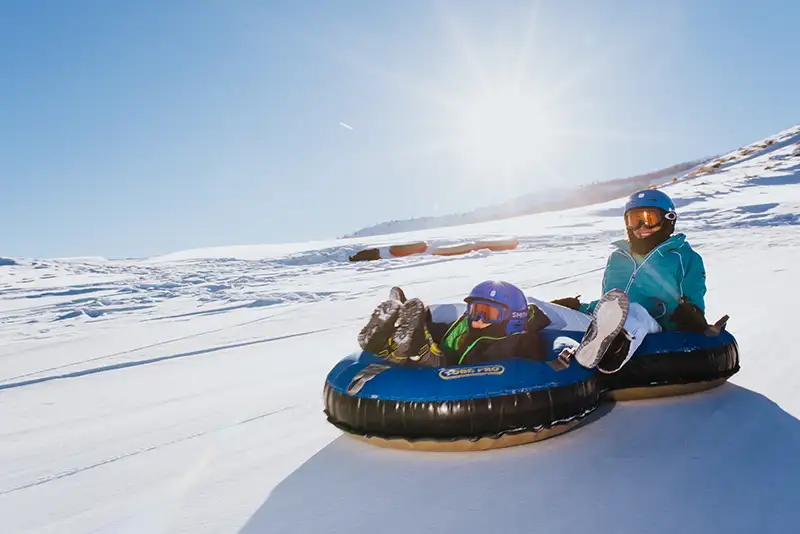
643	232
479	324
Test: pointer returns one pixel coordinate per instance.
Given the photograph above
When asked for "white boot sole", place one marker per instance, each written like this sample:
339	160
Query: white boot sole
608	318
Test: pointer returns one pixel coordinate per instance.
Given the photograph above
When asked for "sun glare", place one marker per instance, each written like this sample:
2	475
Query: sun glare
501	129
496	108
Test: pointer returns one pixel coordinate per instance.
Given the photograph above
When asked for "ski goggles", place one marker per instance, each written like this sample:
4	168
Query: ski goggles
488	312
647	217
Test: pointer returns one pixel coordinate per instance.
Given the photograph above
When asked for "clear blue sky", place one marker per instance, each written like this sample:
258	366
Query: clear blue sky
139	127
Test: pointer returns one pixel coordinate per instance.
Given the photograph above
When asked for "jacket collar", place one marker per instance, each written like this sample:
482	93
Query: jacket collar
674	242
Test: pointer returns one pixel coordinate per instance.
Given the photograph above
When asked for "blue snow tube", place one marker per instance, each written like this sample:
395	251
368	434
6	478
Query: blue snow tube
484	406
672	363
511	401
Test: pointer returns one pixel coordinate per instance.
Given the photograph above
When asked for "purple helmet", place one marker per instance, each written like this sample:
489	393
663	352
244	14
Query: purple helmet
509	301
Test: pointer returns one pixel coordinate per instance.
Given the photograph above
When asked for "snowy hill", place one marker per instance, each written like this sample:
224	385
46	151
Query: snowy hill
183	393
558	199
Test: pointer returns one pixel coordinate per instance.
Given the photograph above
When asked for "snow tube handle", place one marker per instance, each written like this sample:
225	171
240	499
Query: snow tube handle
719	326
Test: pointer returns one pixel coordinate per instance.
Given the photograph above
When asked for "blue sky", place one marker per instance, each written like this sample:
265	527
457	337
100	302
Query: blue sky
138	127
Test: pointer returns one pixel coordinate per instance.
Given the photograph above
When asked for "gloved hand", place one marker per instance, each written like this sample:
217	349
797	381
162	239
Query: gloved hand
689	318
573	303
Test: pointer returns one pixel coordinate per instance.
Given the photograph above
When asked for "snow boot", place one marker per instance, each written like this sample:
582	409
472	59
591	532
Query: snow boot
617	354
608	319
376	335
412	337
397	294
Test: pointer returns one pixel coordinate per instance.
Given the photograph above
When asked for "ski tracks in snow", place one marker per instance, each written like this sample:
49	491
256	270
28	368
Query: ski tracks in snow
147	361
77	470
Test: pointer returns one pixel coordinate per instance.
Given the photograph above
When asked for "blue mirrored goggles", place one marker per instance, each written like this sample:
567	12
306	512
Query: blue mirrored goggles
488	312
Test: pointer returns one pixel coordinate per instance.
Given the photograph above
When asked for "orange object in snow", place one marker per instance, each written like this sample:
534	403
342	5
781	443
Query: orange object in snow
498	244
494	245
453	250
408	249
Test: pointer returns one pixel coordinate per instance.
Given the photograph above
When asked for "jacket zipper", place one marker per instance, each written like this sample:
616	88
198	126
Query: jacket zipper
637	267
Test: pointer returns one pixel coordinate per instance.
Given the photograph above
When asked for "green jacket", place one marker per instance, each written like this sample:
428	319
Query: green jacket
526	344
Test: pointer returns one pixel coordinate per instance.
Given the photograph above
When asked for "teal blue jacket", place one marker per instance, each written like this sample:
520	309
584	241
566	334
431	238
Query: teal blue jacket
658	281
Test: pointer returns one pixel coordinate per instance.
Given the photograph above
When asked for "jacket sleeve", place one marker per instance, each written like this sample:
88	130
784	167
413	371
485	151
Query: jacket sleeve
451	343
529	344
537	319
694	280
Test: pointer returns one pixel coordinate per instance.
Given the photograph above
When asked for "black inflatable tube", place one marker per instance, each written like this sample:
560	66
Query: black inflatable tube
464	419
675	368
533	411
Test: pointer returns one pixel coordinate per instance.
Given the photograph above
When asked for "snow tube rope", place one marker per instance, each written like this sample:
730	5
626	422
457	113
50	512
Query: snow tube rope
509	402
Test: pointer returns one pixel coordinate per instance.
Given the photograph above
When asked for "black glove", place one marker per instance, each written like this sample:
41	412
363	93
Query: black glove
570	302
689	318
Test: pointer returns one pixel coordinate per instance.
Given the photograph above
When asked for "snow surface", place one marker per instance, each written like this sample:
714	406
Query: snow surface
183	393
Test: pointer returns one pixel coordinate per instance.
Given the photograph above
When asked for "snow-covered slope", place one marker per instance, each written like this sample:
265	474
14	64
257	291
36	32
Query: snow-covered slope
183	393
